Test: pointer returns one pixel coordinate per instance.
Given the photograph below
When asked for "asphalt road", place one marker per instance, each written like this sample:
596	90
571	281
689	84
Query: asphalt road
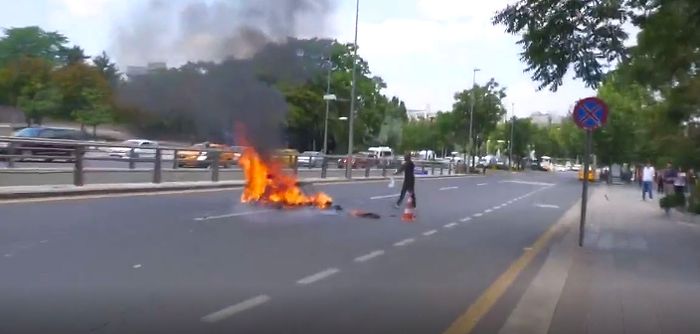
204	263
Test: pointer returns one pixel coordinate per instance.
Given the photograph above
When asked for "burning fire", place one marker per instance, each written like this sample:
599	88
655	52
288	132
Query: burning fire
267	183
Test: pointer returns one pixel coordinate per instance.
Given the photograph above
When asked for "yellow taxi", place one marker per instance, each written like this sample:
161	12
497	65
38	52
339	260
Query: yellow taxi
287	157
198	158
592	175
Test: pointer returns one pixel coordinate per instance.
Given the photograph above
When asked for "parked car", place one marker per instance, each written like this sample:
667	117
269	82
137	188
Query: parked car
141	148
62	149
199	157
360	160
310	159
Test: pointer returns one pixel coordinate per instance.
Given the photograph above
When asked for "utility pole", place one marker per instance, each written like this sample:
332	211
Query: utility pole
471	120
348	164
510	146
325	124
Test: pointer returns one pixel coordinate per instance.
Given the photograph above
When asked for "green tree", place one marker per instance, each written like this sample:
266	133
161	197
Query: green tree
95	111
23	76
73	81
74	55
418	135
107	68
32	42
488	111
39	102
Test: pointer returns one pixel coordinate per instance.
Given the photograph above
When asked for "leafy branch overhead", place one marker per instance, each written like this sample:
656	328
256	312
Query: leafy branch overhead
556	35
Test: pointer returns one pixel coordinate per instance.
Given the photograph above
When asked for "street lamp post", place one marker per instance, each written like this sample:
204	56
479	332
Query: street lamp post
471	119
325	124
510	145
348	165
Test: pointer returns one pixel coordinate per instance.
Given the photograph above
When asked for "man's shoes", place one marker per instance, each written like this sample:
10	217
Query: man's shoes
397	206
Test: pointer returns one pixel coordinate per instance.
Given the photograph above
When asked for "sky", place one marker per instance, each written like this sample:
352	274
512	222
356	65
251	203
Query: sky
425	50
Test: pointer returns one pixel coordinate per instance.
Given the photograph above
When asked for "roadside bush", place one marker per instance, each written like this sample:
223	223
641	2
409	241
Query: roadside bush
694	202
672	201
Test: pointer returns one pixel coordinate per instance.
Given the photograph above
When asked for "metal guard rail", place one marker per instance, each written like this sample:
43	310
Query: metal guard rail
75	154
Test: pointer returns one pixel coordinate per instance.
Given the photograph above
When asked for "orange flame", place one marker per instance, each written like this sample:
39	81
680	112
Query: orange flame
267	183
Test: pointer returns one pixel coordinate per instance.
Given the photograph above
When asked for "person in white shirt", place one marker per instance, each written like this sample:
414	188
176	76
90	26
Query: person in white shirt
647	181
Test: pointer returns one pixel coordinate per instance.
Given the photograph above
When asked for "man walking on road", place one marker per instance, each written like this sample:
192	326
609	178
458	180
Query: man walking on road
409	180
647	181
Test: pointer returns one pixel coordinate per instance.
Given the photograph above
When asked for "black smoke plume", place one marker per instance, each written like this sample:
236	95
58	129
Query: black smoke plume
236	53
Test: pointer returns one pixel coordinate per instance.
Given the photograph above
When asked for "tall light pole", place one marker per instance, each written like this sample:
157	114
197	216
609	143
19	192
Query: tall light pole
471	119
348	164
326	98
510	146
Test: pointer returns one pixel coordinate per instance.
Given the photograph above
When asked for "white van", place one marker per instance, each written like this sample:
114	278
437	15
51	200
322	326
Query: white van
382	152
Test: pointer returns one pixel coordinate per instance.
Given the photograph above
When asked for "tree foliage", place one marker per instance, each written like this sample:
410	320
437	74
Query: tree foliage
96	109
488	111
103	63
38	103
652	88
33	42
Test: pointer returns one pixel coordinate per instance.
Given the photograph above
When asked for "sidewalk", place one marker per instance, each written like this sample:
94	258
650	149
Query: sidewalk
638	272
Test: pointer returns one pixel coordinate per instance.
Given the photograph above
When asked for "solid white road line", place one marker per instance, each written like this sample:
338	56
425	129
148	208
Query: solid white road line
230	215
547	206
529	183
318	276
449	188
481	184
233	309
429	233
367	257
450	225
404	242
384	196
465	219
478	214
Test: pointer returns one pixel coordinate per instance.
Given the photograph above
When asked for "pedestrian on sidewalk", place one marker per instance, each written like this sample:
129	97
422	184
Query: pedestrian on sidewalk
669	176
409	180
679	183
659	182
647	181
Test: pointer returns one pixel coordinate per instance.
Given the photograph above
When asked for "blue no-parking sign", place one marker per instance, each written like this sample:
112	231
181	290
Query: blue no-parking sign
590	113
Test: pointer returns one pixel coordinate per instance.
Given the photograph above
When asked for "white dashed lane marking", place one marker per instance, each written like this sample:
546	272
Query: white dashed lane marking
384	196
318	276
547	206
465	219
449	188
404	242
478	214
230	215
429	233
367	257
237	308
450	225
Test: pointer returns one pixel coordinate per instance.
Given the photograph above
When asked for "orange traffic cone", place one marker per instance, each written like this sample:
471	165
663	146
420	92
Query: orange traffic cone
408	211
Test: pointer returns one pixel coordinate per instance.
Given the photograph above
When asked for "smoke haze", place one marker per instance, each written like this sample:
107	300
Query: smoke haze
233	52
196	30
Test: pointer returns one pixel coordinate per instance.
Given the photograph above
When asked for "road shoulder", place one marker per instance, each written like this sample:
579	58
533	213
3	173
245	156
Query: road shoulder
637	273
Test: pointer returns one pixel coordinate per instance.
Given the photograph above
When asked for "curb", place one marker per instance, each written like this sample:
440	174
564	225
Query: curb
136	188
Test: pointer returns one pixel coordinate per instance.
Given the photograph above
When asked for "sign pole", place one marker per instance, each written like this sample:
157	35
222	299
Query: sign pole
589	114
584	194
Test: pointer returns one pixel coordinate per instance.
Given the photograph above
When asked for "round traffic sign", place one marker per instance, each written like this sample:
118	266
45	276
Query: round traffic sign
590	113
